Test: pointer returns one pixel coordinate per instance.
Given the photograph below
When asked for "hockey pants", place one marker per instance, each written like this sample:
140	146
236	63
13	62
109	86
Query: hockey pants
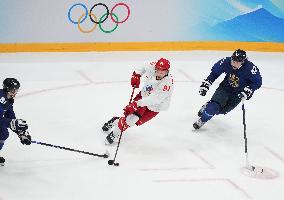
221	102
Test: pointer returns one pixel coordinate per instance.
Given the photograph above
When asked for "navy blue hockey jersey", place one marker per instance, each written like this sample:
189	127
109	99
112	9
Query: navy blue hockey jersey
6	110
236	80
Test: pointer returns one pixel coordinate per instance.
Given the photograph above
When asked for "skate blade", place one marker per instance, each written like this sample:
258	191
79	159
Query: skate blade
108	144
194	130
106	132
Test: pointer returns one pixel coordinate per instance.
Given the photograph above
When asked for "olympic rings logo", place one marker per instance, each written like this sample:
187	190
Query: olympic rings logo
102	18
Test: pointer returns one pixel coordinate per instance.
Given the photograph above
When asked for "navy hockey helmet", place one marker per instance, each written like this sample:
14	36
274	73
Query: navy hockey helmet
11	84
239	55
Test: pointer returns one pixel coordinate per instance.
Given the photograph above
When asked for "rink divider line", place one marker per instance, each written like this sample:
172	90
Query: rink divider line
67	87
52	89
274	154
107	82
186	75
232	183
270	88
174	169
208	165
84	76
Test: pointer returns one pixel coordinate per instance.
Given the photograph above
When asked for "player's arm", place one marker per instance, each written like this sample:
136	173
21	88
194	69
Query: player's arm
135	79
216	71
254	83
255	78
4	122
140	70
10	113
8	120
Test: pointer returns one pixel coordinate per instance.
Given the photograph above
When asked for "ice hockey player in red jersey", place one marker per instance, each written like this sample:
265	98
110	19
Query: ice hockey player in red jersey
154	97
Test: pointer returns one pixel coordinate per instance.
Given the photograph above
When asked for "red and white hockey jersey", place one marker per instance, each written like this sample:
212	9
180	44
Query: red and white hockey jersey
156	94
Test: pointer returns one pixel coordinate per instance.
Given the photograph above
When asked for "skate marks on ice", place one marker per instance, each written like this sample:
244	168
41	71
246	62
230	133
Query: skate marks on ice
209	184
192	159
275	154
263	172
194	177
260	172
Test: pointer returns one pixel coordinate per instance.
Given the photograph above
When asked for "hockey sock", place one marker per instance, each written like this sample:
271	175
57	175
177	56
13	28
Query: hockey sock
1	144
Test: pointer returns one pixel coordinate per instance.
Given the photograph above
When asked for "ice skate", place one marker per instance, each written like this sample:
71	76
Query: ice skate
2	161
111	138
109	125
198	124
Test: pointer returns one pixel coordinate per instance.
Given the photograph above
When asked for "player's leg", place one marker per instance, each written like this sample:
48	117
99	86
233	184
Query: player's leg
4	134
233	101
213	107
147	116
122	124
202	109
142	115
111	123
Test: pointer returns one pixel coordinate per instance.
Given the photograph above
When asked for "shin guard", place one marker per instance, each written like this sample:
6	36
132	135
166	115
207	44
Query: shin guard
211	109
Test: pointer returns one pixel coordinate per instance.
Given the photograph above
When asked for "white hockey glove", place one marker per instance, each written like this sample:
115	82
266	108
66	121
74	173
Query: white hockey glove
18	125
246	93
204	87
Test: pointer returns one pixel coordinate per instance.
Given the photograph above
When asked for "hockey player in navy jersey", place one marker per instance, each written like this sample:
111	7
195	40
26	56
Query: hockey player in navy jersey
8	117
241	80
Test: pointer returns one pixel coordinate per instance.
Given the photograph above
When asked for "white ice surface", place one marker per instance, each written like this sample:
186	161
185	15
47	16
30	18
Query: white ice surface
66	98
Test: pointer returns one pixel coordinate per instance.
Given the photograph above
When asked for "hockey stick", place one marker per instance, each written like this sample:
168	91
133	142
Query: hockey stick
248	166
112	162
105	155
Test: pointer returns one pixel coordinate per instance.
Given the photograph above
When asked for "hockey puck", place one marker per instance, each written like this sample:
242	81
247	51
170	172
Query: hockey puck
110	162
116	164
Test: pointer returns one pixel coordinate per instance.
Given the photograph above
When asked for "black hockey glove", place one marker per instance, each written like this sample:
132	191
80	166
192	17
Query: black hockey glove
246	93
204	87
25	137
18	125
